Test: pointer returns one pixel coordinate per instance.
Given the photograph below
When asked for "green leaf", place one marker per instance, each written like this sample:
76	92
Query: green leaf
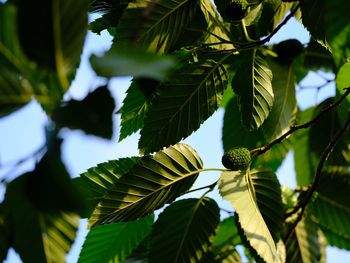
49	186
304	163
132	62
329	124
112	13
97	181
93	114
318	57
5	232
253	85
51	234
237	189
216	30
136	105
155	26
313	18
343	79
184	231
305	244
235	134
227	233
189	96
336	240
273	158
53	39
337	29
331	208
114	242
151	183
15	92
283	113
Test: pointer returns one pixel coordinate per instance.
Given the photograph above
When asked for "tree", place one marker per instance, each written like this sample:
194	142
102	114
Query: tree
187	59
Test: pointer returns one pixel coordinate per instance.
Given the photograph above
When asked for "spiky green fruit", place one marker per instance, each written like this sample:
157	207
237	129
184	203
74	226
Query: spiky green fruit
232	10
236	159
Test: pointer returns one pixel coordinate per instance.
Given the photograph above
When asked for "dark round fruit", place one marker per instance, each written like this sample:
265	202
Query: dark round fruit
289	49
236	159
235	11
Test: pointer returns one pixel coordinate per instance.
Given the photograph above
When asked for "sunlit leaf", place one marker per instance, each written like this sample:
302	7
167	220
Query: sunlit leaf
96	181
253	85
237	189
227	233
283	113
152	182
184	230
189	96
217	30
114	242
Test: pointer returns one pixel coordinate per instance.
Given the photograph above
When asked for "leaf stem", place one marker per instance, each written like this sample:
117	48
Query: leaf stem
294	128
210	186
325	155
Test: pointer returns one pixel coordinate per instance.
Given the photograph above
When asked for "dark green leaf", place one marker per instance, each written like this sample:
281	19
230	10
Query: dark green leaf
114	242
98	180
132	62
184	231
234	133
304	163
337	29
155	26
52	33
318	57
305	243
331	208
329	124
313	18
49	186
253	85
5	232
243	195
112	9
135	105
336	240
14	91
189	96
93	114
227	233
152	182
50	235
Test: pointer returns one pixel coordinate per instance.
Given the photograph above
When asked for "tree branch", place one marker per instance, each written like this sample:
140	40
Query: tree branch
307	124
325	155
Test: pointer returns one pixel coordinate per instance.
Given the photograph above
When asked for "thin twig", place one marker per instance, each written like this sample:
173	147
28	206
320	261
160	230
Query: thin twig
211	187
325	155
227	211
307	124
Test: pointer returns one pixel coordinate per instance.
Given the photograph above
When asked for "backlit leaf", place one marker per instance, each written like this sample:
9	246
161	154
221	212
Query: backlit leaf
253	85
184	230
152	182
189	96
236	188
155	26
114	242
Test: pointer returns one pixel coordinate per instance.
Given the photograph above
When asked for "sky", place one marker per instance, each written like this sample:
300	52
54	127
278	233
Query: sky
22	133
